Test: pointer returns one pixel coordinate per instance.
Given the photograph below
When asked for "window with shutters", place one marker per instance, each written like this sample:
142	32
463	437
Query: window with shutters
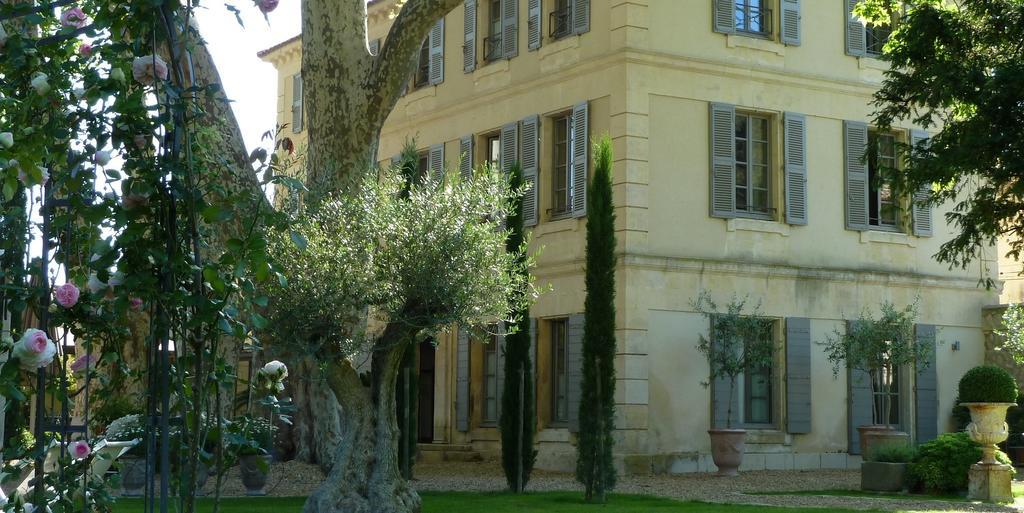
560	19
421	76
493	148
887	383
561	169
753	17
559	376
884	205
490	388
759	389
423	164
875	37
753	165
493	49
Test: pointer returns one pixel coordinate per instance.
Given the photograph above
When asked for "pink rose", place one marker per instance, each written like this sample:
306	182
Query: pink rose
266	6
67	295
135	304
73	18
148	69
84	363
35	341
34	349
85	50
79	449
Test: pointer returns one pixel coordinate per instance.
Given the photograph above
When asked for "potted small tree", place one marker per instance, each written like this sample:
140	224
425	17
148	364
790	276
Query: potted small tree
250	440
880	348
130	429
737	342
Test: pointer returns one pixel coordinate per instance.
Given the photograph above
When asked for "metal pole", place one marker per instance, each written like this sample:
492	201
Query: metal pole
44	317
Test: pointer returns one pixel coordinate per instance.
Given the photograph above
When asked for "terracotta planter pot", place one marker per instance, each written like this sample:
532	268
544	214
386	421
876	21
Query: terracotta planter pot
864	434
254	469
988	427
727	447
874	440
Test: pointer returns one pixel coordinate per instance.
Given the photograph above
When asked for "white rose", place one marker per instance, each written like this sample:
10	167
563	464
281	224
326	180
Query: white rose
6	139
94	284
41	83
276	370
102	158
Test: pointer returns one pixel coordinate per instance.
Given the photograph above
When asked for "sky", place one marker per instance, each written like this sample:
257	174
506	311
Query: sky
248	81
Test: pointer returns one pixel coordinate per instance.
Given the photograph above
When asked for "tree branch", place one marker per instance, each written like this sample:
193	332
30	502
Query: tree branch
398	56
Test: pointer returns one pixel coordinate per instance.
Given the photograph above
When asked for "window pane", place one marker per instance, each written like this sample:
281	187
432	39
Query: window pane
760	177
759	200
759	129
559	385
741	126
741	175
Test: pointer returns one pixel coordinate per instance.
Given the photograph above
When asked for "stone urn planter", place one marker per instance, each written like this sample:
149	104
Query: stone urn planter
133	476
255	468
727	448
989	479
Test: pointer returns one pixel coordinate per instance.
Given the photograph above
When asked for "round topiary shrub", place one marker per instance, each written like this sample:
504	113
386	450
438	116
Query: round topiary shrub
988	384
941	465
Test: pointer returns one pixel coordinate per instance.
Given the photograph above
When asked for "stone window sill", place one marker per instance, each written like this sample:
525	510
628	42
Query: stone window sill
757	225
563	43
870	62
902	239
491	68
753	42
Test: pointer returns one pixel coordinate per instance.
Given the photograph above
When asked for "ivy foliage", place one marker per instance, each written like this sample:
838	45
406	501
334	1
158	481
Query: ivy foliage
957	70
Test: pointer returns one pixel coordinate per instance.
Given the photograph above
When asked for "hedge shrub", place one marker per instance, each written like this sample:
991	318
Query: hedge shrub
988	384
942	464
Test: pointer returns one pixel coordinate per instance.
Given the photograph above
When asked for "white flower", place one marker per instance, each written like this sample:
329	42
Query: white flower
6	139
149	69
102	158
94	284
275	370
35	349
41	83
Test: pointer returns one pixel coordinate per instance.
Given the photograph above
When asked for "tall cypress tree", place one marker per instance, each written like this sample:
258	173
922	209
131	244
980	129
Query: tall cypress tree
594	468
518	415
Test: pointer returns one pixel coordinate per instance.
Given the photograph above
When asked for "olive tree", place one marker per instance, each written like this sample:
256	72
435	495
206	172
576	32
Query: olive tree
418	259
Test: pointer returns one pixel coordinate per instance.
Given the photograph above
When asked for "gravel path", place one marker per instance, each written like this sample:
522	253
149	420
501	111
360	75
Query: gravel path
297	479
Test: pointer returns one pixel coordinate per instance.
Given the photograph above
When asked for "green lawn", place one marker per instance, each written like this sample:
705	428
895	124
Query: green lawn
464	502
1018	491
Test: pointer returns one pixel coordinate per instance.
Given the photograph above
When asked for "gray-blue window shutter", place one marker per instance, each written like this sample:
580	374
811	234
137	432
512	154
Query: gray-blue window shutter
922	211
462	381
580	16
789	24
296	103
723	160
509	151
795	156
856	33
855	144
469	37
529	161
533	24
574	369
580	156
436	50
466	157
798	375
724	395
724	14
500	357
860	403
510	28
926	396
435	162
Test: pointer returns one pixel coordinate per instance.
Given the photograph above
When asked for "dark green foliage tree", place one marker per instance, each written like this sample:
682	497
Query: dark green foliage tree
407	387
518	416
594	466
957	68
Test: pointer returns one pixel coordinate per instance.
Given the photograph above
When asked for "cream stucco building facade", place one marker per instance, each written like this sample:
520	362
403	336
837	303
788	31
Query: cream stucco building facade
738	127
